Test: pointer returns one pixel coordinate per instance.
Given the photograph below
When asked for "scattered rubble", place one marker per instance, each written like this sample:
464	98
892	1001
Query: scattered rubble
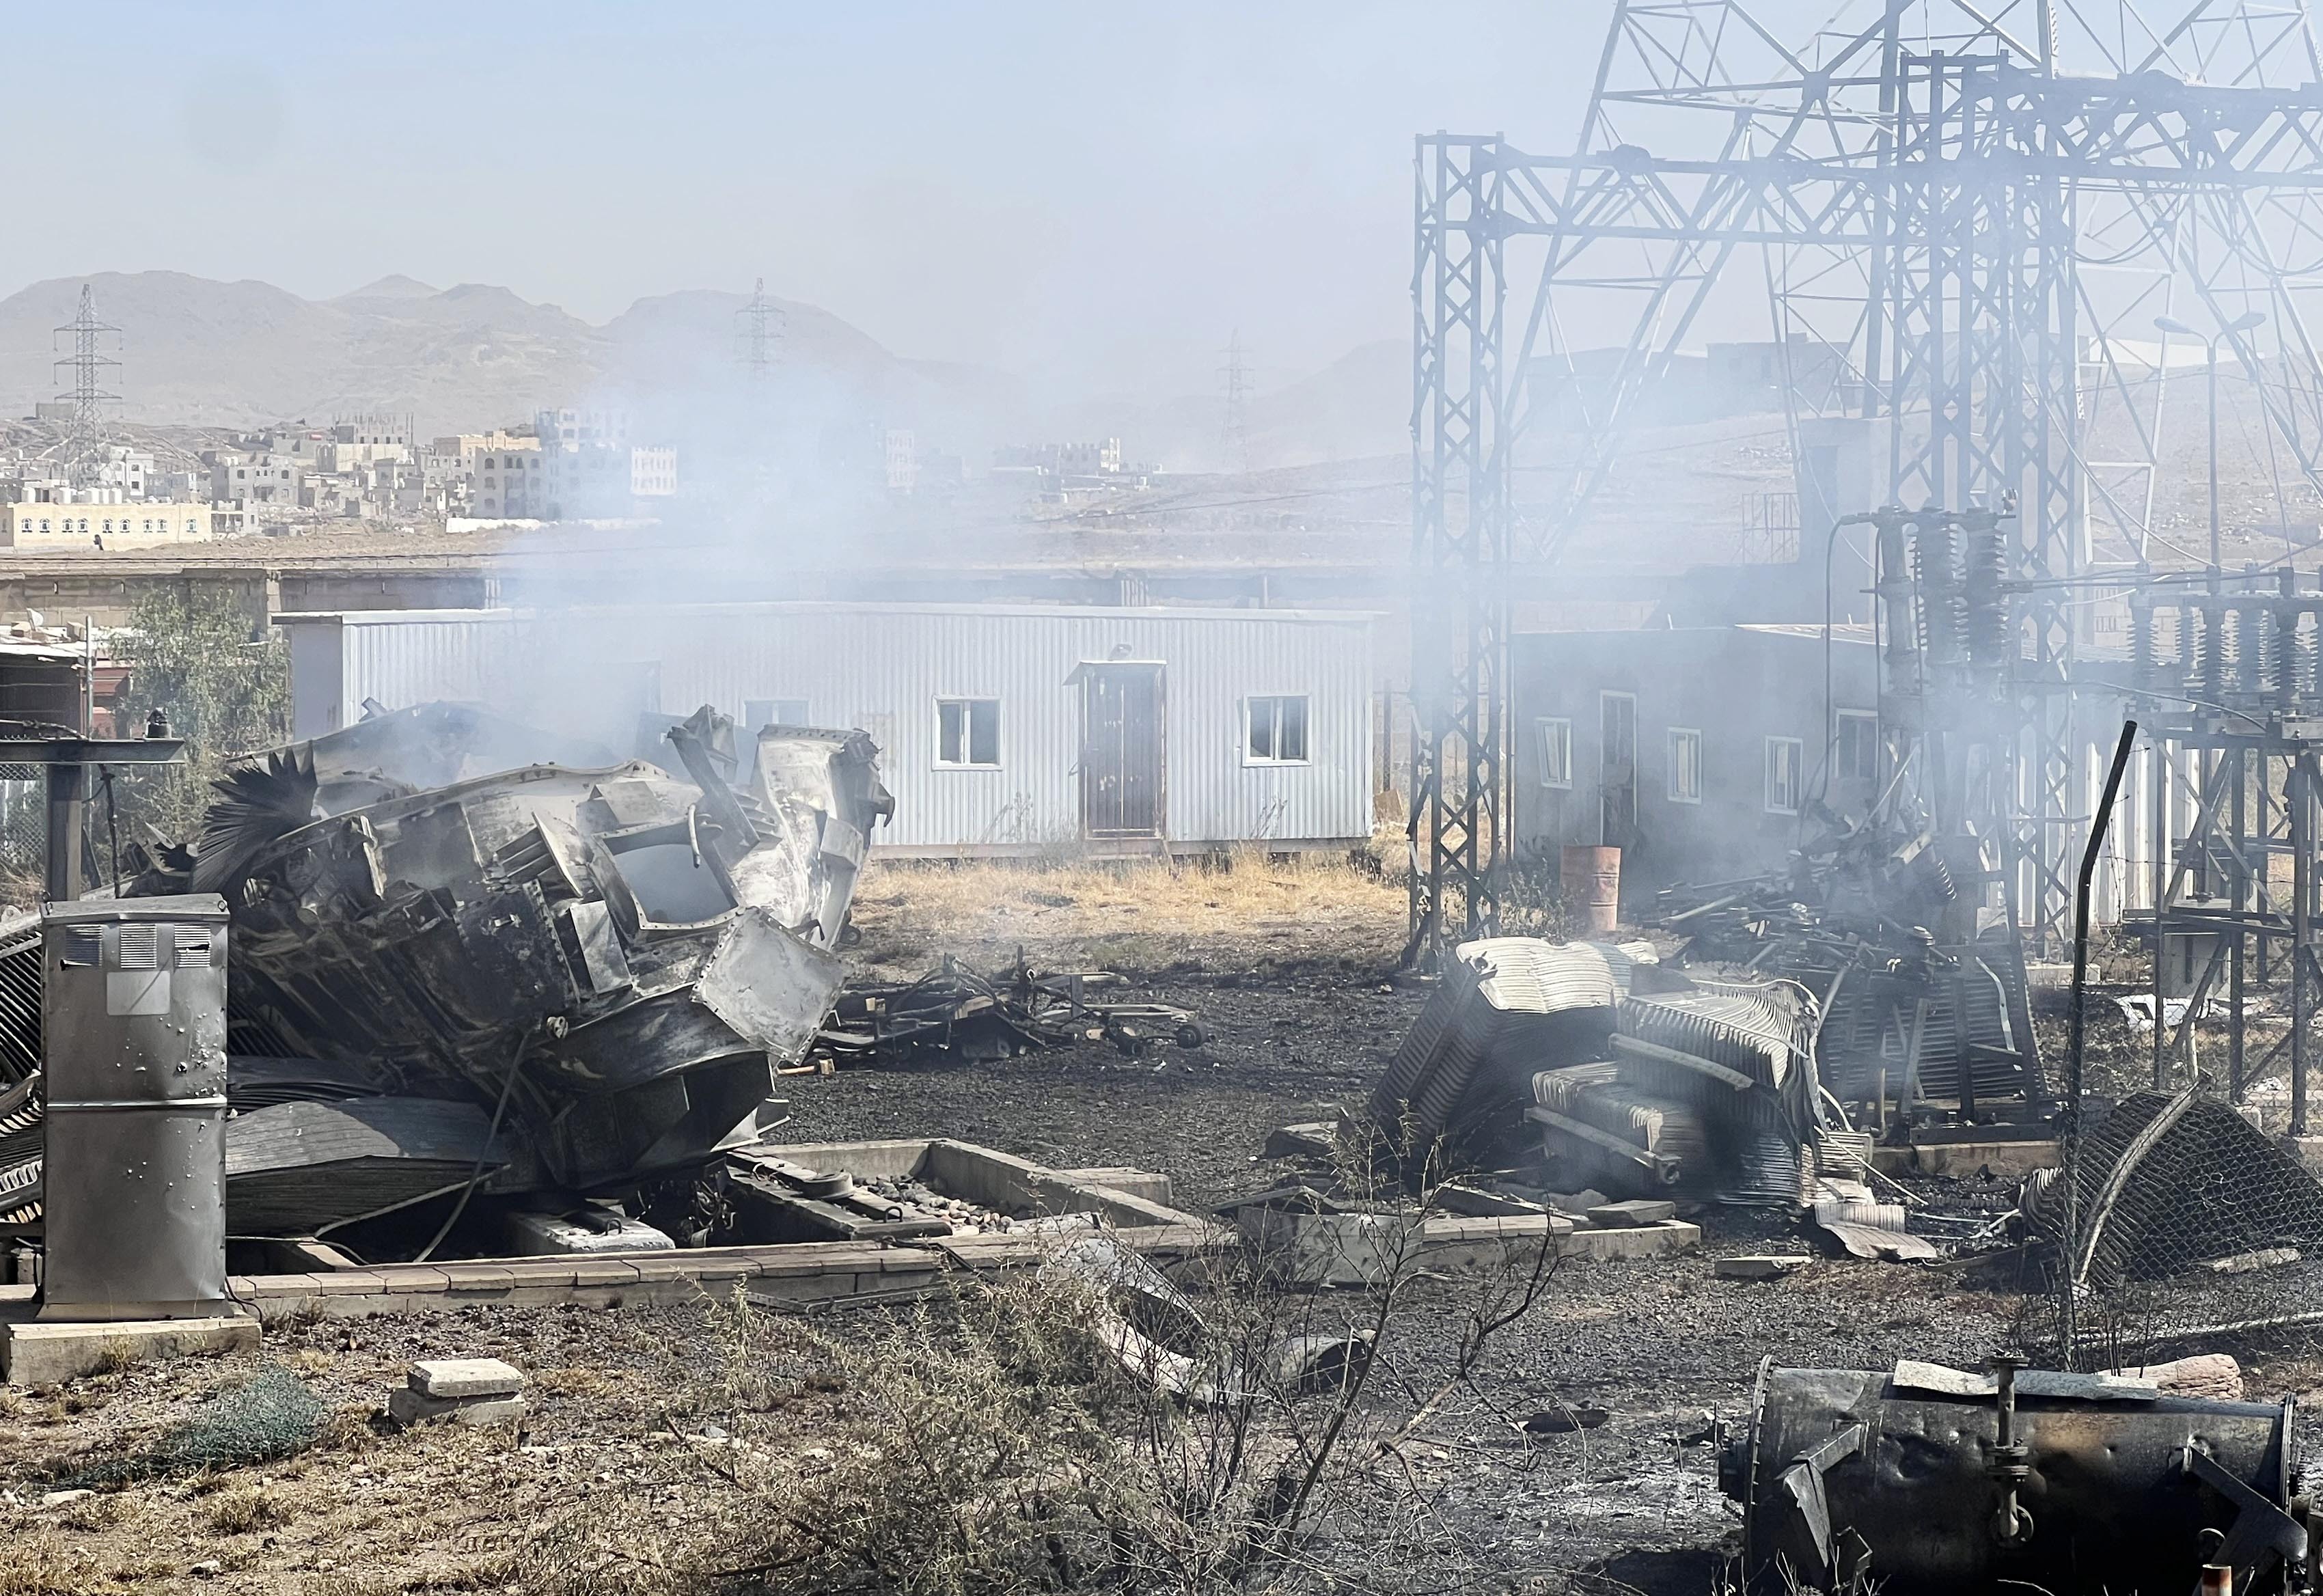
1759	1266
955	1011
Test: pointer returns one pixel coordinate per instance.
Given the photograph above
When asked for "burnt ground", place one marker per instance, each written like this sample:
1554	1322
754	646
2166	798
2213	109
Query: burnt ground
1297	1028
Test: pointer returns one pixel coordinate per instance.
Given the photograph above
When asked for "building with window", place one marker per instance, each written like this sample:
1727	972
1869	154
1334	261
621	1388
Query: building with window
509	481
122	525
1003	728
1698	751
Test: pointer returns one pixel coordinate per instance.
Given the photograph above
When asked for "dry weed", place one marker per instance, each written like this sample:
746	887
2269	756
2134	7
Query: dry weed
244	1509
1015	1434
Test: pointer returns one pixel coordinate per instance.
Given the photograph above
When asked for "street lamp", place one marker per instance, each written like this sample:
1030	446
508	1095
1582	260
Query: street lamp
2241	324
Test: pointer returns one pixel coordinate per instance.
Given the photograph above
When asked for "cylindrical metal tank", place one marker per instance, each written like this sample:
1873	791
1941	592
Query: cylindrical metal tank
133	1005
1907	1495
1591	880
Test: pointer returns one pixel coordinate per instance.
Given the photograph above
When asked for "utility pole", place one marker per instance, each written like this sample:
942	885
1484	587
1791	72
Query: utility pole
85	433
1236	371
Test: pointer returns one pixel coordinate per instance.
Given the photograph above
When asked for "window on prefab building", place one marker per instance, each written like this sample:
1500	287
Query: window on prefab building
1277	732
760	713
1556	752
1786	774
968	731
1856	759
1684	764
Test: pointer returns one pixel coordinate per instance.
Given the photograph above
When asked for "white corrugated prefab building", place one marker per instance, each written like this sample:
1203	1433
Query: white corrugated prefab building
1002	729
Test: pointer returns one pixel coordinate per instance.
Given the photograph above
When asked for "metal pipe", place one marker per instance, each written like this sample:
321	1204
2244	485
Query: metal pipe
2009	1464
2070	1126
2299	785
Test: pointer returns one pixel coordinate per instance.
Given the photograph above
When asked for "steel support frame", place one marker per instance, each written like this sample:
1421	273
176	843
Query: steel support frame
1460	808
2229	698
1984	315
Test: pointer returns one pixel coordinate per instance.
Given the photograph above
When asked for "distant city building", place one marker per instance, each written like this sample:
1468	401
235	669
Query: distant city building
244	480
582	426
902	461
509	481
1064	460
653	472
20	522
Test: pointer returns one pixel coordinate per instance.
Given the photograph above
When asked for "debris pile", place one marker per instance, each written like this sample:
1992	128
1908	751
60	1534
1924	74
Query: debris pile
468	954
983	1018
1922	991
1637	1080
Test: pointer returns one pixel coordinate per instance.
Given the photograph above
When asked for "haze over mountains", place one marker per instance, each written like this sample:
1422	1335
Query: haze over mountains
199	351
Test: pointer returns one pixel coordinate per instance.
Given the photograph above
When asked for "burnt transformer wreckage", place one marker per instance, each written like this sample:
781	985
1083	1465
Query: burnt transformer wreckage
1902	922
473	956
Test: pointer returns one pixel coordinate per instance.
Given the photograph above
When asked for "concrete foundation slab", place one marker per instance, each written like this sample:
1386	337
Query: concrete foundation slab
52	1352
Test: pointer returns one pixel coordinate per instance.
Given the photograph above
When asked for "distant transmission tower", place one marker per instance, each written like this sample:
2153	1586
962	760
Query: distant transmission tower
757	328
85	433
1235	435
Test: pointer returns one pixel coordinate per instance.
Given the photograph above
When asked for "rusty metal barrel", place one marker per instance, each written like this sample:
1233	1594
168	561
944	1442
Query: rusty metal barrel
1852	1473
1590	879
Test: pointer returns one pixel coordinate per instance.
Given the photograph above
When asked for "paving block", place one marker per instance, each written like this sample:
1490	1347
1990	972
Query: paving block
465	1377
408	1407
1630	1215
48	1353
1758	1267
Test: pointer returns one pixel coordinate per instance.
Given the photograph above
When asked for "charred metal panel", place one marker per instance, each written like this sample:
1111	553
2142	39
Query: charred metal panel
2114	1502
136	1149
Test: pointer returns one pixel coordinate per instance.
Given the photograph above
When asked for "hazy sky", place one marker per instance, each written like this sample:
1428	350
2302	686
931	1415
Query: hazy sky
1099	192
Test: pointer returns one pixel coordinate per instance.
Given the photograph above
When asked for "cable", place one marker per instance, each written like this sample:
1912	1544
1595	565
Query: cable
483	1149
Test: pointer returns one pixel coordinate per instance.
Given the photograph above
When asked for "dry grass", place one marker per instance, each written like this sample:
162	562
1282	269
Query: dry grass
1236	909
247	1508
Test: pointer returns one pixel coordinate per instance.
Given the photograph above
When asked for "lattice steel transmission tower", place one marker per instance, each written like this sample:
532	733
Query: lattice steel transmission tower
1234	430
85	431
757	329
1958	222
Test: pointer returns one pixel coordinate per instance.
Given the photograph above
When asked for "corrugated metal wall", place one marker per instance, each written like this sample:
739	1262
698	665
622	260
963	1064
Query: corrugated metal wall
883	667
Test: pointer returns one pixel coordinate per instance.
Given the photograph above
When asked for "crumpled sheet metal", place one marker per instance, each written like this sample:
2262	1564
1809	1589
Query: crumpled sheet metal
649	946
1505	1002
1872	1230
1718	1094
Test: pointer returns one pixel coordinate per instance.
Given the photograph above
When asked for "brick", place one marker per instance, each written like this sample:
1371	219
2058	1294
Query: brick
465	1377
408	1407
